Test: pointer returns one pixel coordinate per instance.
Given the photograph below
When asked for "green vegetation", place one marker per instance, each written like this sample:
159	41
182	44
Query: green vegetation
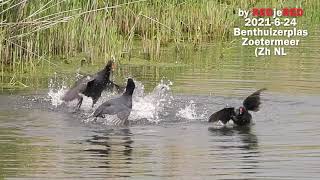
39	37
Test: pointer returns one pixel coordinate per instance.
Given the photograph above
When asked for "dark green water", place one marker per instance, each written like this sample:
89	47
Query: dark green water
169	137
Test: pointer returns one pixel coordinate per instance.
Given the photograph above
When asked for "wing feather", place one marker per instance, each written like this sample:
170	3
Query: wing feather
224	115
252	102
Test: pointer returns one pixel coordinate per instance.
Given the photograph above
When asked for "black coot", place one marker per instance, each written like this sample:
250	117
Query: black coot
120	106
91	86
241	115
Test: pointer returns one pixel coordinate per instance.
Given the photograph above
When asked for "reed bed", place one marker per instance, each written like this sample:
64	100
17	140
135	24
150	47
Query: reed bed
39	34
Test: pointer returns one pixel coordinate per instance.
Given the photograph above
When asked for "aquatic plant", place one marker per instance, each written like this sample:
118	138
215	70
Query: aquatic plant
48	34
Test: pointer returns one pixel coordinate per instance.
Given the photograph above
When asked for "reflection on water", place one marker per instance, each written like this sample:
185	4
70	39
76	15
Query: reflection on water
247	146
249	139
38	140
111	142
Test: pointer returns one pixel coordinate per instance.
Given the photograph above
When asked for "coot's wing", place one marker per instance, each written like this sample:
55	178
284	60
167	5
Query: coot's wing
89	86
88	83
111	107
83	80
252	102
224	115
123	117
78	87
124	113
102	109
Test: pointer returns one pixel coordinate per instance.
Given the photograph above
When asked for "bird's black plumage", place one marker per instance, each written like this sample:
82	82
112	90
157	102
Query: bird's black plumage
241	115
224	115
91	86
252	102
120	106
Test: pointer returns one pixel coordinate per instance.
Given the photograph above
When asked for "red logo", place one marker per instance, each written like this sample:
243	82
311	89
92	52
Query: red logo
262	12
293	12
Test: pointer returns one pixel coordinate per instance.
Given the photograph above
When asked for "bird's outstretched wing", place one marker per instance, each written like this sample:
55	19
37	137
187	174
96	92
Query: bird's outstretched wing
252	102
81	84
224	115
78	87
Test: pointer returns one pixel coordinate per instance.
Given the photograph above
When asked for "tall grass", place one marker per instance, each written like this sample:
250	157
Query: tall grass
33	33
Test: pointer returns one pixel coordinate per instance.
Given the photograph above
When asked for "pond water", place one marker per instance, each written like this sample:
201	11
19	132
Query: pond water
169	136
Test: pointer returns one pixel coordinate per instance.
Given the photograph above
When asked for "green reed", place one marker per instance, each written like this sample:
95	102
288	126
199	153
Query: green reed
35	35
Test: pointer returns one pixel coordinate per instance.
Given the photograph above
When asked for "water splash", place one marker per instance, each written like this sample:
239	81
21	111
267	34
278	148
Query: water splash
56	90
189	112
55	96
144	106
219	125
148	107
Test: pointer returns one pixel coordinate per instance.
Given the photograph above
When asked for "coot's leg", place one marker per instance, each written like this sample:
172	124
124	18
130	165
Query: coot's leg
80	98
126	122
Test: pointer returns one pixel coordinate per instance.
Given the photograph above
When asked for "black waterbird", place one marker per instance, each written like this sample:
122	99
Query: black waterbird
241	115
120	106
91	86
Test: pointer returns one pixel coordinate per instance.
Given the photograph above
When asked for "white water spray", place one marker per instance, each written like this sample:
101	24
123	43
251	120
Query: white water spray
150	106
189	112
147	107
